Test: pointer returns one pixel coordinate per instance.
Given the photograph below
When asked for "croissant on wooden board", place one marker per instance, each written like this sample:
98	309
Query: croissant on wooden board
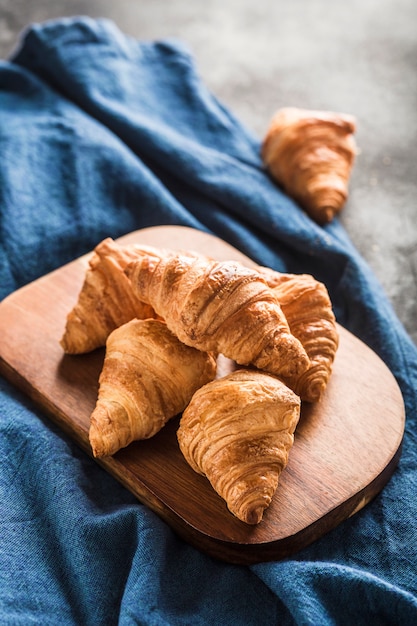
106	300
311	154
220	307
148	377
306	304
238	431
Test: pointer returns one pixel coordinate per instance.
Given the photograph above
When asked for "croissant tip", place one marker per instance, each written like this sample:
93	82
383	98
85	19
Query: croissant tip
101	448
105	245
327	213
97	453
297	362
254	516
63	343
97	445
68	346
101	433
96	448
314	392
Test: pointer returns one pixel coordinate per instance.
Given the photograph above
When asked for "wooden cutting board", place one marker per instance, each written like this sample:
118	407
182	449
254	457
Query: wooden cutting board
346	446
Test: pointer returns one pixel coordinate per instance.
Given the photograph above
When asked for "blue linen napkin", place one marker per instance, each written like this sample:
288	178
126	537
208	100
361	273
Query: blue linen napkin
101	135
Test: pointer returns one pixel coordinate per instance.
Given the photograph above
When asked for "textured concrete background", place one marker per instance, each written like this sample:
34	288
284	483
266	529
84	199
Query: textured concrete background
357	57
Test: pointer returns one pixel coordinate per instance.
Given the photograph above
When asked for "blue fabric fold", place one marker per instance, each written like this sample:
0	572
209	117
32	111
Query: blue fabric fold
100	135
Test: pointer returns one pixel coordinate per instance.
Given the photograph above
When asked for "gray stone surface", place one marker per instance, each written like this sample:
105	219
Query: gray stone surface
357	57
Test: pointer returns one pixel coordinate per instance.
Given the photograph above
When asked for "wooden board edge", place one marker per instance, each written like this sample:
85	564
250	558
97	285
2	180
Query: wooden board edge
251	554
222	550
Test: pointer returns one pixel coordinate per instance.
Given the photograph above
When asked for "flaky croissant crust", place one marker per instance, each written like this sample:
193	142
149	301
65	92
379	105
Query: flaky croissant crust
238	431
148	377
311	154
222	307
106	300
306	304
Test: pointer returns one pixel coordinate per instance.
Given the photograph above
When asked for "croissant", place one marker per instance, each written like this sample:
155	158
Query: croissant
311	154
220	307
106	300
238	431
148	377
306	304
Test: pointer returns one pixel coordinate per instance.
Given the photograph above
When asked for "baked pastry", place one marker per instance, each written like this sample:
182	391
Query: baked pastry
311	154
238	431
106	300
148	377
220	307
306	304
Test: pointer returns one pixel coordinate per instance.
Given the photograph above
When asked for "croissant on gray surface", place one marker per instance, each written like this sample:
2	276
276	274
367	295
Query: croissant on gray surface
311	155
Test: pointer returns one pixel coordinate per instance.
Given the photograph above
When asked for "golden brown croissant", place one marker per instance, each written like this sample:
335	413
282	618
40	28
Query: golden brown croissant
238	431
106	300
220	307
306	304
311	154
148	377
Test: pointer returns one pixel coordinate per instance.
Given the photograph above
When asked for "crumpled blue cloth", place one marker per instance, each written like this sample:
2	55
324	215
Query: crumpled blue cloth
101	135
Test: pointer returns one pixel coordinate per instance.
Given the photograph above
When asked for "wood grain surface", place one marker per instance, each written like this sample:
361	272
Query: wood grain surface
346	446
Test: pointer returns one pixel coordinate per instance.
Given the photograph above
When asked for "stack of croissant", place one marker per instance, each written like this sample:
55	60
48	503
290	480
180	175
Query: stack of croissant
166	318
